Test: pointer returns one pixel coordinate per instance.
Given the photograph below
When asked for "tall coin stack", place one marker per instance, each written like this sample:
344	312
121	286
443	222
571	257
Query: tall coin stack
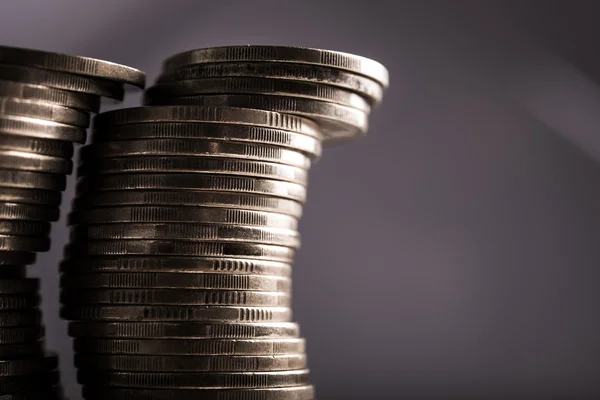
45	105
177	277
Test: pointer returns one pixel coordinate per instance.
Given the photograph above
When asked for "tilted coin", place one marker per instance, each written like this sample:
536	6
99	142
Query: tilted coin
20	349
24	243
45	111
12	258
335	120
24	228
191	232
30	212
28	366
19	301
18	318
174	297
193	164
365	87
154	264
186	198
37	128
44	94
32	180
311	145
174	280
116	393
187	214
24	285
262	86
262	347
19	160
287	54
46	147
177	313
61	80
222	115
18	383
193	379
77	65
184	330
193	181
172	363
182	147
171	247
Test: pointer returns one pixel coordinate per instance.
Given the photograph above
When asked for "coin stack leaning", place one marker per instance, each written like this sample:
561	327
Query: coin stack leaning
177	277
45	105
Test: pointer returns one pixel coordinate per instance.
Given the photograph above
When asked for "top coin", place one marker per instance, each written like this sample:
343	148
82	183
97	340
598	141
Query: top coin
301	55
73	64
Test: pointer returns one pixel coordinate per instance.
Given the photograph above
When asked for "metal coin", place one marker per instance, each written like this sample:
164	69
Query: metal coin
336	121
46	147
19	301
73	64
221	115
13	271
174	297
311	145
30	196
28	366
20	349
19	335
61	80
286	54
44	94
11	258
24	228
188	214
24	243
116	393
173	280
31	180
44	111
154	264
369	89
23	285
19	318
18	383
192	148
18	160
244	347
186	198
227	166
183	330
30	212
187	232
50	393
193	181
193	380
262	86
37	128
173	363
177	313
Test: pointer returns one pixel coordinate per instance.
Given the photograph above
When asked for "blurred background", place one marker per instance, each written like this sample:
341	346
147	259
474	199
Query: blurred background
453	252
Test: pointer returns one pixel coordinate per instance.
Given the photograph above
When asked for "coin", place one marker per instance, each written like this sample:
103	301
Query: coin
287	54
30	196
19	301
44	94
24	285
14	258
30	212
24	228
19	335
45	111
23	243
37	128
28	366
18	383
19	318
45	147
19	349
34	162
32	180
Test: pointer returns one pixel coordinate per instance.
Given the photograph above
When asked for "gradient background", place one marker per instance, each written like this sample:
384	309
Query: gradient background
451	253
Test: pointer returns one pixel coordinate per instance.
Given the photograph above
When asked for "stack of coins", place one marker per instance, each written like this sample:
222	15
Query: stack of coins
177	276
45	104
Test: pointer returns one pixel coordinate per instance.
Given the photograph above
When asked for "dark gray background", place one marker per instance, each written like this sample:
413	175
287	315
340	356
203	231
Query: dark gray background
453	251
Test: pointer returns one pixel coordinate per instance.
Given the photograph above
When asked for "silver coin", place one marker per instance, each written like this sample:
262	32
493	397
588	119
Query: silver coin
195	363
188	214
221	115
20	318
286	54
261	86
44	94
19	335
24	228
44	111
183	330
193	181
19	383
288	393
182	198
177	313
174	297
187	232
77	65
46	147
19	301
155	264
24	243
310	145
29	212
336	121
174	280
30	196
20	349
19	160
194	164
36	128
32	180
192	148
238	347
193	380
28	366
16	286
